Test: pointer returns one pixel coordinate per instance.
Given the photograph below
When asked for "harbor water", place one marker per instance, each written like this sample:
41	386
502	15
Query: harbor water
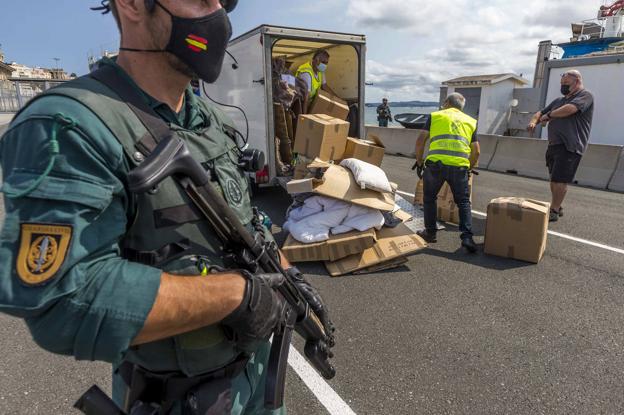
371	114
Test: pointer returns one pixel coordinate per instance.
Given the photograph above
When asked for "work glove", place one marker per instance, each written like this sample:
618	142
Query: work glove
260	312
315	300
420	168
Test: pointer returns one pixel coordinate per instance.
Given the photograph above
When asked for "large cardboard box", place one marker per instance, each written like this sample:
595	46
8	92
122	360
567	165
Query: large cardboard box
370	151
392	243
321	136
339	183
517	228
328	104
447	209
335	248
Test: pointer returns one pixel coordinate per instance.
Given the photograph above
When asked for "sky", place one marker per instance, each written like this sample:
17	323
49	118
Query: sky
412	45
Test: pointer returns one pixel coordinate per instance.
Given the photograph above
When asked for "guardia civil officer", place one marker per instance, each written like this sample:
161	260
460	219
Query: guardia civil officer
453	151
102	274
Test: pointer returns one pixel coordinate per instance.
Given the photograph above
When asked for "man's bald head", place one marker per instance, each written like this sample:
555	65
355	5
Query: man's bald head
573	79
573	73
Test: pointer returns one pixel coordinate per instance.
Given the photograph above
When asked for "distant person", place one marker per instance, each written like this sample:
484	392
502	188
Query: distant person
569	120
453	151
313	73
383	113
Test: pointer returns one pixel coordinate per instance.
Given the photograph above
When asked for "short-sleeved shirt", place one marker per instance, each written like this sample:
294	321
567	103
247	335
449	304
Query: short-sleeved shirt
427	127
572	131
308	80
80	312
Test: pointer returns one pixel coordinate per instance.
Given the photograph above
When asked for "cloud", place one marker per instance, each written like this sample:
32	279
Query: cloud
459	37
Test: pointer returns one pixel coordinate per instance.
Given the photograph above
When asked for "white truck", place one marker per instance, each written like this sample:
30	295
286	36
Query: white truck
245	87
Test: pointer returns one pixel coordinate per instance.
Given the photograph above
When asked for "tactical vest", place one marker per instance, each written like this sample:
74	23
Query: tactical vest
451	135
164	231
317	83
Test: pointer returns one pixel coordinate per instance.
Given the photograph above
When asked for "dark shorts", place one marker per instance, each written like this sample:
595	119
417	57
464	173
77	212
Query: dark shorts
562	164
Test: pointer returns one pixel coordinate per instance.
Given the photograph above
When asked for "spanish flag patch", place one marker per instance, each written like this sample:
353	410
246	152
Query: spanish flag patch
43	248
197	43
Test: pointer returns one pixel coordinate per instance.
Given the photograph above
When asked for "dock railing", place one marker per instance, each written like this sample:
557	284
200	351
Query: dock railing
15	93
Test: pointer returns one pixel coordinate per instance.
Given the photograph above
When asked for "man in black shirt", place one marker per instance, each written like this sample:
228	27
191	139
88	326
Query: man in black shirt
569	120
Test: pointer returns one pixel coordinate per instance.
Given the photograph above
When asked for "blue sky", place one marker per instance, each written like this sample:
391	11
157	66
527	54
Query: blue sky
413	45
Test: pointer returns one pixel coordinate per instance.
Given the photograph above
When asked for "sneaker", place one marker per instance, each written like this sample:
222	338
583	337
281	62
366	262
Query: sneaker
554	215
469	244
560	211
428	237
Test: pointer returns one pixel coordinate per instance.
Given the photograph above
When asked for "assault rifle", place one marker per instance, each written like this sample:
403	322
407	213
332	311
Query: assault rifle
171	158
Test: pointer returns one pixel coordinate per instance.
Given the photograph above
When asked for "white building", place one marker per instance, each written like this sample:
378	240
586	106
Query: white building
489	98
23	71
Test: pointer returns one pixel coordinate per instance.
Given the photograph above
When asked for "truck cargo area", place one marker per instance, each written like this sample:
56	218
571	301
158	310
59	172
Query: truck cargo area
250	91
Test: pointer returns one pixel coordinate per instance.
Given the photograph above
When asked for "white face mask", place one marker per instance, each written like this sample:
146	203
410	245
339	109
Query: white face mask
322	67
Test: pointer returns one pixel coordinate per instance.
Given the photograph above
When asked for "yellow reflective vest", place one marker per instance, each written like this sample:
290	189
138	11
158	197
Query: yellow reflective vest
317	82
451	135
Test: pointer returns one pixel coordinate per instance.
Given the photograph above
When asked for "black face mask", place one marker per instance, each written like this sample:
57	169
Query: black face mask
198	42
565	89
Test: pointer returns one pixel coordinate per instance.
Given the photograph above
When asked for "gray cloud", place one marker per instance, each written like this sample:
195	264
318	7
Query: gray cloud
458	38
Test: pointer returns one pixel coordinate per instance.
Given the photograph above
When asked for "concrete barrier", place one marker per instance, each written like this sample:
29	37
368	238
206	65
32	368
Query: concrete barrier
524	156
488	145
617	180
597	165
398	141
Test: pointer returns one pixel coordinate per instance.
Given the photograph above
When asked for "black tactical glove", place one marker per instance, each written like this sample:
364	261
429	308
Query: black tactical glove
314	299
260	312
419	169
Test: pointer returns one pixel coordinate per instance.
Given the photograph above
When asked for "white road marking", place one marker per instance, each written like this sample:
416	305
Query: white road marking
553	233
323	392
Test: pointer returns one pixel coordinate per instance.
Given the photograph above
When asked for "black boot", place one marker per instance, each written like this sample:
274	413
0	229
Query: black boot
428	236
469	244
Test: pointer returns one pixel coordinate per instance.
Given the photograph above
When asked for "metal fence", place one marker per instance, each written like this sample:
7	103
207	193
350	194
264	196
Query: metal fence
14	94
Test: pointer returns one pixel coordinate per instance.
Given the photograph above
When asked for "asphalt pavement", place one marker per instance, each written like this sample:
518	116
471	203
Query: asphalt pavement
448	333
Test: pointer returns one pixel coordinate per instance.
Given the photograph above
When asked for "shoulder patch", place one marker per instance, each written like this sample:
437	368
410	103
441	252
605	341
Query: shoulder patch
43	248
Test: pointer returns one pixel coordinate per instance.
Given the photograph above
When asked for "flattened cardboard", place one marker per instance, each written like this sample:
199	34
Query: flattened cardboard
338	183
364	150
384	266
392	243
335	248
517	228
326	103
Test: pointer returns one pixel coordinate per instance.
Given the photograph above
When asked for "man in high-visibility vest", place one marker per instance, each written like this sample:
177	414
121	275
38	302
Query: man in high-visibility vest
453	151
313	73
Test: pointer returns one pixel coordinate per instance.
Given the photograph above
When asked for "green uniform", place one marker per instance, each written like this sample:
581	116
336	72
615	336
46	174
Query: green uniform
71	227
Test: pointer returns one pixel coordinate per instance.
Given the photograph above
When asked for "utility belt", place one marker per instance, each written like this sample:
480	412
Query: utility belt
162	390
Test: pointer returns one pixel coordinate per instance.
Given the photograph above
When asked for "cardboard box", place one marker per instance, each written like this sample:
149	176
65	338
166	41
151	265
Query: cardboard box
447	209
321	136
448	212
419	194
328	104
339	183
370	151
305	167
392	243
517	228
336	247
445	192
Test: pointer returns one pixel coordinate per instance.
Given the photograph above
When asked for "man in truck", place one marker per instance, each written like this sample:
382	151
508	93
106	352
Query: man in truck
100	273
313	73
